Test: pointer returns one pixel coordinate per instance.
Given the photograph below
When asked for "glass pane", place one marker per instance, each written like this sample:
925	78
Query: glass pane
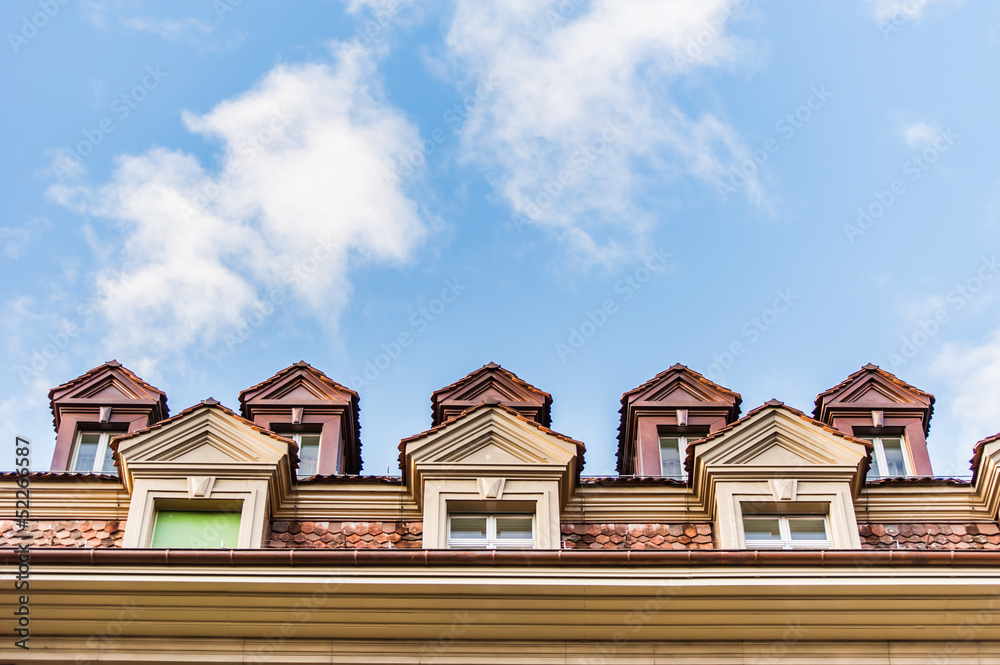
670	457
894	457
761	528
873	472
86	452
468	527
308	455
514	527
807	528
196	529
108	466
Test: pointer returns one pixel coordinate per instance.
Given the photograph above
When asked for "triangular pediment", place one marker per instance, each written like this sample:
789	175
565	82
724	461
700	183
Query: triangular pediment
872	388
205	435
682	387
300	383
490	383
109	382
776	437
491	435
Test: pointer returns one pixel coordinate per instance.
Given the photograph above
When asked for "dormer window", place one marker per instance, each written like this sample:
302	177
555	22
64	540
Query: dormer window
491	532
92	453
889	458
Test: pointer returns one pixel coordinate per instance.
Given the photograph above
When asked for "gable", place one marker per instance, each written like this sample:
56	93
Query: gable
204	435
299	383
681	386
778	437
490	383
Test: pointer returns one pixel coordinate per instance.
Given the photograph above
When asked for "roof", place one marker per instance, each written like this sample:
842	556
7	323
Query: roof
775	404
676	368
888	376
209	403
581	448
488	369
353	452
302	364
91	373
977	454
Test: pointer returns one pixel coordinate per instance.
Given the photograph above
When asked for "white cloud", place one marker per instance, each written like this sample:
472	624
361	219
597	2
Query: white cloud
920	135
900	11
167	28
13	239
968	412
579	91
301	191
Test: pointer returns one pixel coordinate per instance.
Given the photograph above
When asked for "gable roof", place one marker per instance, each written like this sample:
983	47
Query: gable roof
491	378
107	373
856	385
302	377
775	404
677	377
456	421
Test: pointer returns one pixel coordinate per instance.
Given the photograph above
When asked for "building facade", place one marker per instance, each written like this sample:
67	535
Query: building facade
771	536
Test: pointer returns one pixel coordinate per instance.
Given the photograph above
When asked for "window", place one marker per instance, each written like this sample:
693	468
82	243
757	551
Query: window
889	458
491	532
672	450
93	454
786	532
308	453
198	529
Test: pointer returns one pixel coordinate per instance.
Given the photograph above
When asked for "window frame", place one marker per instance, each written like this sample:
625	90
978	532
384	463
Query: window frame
683	440
491	541
196	508
879	459
786	542
297	438
103	448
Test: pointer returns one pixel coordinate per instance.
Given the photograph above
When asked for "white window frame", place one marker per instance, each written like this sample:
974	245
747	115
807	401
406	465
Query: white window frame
878	453
491	542
784	529
103	443
682	443
297	438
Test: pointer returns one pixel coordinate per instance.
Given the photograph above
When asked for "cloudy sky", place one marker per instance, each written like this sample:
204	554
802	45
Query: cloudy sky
584	191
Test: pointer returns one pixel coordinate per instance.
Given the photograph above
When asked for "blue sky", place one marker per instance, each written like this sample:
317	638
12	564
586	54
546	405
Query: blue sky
585	192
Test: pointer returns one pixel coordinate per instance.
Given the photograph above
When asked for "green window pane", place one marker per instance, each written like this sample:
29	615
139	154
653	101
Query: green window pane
761	528
196	529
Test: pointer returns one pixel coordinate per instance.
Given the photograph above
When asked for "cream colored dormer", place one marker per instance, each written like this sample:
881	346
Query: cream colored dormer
777	478
492	467
205	460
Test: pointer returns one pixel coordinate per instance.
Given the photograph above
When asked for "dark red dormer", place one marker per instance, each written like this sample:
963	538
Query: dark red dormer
317	412
875	405
491	384
93	408
675	407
